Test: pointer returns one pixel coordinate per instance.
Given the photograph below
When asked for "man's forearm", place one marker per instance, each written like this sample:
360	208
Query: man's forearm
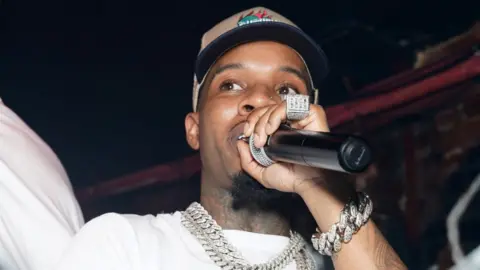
368	249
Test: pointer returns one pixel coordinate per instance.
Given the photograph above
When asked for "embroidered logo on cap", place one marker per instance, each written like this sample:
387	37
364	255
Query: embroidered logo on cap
252	17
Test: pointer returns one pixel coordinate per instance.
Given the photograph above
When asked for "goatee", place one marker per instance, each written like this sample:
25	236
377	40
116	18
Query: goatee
247	193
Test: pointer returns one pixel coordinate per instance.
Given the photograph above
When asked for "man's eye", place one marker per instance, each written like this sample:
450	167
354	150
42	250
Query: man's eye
230	86
287	90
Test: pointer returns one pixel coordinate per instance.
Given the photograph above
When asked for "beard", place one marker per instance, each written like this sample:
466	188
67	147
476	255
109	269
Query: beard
248	193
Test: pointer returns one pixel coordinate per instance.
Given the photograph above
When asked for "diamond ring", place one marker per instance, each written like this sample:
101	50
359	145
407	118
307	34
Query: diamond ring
298	106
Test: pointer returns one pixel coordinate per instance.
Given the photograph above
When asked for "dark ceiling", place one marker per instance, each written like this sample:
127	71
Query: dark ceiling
107	82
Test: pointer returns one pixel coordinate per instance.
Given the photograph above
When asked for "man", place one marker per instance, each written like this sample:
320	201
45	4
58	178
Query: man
38	211
246	218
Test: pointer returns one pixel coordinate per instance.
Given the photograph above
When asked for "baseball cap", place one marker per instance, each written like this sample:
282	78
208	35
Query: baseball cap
257	24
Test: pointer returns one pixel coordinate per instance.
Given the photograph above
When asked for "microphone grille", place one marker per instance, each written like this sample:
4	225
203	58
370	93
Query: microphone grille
259	154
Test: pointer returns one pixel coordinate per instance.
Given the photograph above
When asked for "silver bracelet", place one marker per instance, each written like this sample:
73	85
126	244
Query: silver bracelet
354	215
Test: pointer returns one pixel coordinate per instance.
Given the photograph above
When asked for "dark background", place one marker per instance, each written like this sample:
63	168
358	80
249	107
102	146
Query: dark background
107	83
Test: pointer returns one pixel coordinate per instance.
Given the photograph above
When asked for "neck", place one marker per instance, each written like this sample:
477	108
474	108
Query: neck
219	204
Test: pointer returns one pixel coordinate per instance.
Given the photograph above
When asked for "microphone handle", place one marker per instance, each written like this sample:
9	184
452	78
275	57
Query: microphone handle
338	152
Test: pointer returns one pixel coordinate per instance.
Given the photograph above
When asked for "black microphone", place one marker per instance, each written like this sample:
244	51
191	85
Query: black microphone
338	152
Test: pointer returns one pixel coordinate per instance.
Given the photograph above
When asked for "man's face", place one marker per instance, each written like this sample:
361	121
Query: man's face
247	77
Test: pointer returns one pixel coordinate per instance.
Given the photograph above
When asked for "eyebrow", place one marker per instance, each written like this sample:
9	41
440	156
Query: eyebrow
223	68
288	69
300	74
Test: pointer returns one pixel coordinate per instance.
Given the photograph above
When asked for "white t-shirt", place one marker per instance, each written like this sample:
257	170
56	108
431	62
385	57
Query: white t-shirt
38	211
114	241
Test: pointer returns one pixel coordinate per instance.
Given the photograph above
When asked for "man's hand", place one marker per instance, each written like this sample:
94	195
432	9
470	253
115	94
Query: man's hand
281	176
367	249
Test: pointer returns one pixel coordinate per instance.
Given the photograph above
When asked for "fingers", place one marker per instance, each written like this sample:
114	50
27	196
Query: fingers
247	162
276	118
265	121
258	172
252	120
315	121
259	131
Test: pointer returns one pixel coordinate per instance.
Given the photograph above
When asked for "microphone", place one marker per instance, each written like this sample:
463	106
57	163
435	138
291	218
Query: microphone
338	152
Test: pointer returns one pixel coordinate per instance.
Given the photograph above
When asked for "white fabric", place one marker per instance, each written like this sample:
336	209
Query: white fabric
38	211
470	262
453	219
114	241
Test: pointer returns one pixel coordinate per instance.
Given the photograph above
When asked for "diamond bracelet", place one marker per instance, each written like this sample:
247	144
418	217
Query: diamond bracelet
354	215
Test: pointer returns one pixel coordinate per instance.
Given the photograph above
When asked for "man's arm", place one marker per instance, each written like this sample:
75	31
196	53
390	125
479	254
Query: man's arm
38	211
368	249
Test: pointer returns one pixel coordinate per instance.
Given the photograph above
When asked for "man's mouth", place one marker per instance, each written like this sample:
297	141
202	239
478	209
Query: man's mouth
237	134
243	138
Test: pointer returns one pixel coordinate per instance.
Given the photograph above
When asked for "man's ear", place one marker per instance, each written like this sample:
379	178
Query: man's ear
192	130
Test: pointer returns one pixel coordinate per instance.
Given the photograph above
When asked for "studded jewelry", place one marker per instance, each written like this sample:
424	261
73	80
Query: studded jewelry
354	215
298	106
201	225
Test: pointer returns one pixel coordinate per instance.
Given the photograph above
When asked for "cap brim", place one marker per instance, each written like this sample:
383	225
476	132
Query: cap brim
289	35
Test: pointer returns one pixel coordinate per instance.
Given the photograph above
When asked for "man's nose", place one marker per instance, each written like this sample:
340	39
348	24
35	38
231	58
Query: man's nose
257	98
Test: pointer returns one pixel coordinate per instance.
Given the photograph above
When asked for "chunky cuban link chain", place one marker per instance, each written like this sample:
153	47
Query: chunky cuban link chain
201	225
354	215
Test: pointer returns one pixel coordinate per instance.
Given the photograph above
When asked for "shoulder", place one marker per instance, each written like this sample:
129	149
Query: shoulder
113	223
106	242
137	235
130	225
116	241
104	228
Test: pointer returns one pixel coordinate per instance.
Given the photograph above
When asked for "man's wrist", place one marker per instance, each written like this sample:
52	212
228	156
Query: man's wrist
336	189
323	206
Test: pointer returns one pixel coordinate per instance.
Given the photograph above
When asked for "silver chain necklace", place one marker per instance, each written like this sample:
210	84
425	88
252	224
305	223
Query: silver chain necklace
200	224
